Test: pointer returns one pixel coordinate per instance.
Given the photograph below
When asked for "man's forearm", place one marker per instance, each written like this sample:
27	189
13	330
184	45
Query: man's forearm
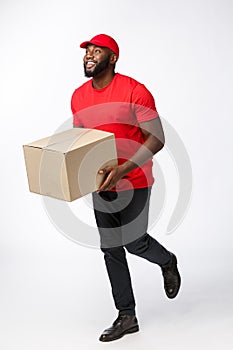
151	146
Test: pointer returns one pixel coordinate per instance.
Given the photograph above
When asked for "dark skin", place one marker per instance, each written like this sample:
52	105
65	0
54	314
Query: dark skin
152	130
97	54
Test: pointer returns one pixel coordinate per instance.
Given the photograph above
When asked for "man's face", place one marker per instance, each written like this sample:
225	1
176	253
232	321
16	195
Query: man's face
96	60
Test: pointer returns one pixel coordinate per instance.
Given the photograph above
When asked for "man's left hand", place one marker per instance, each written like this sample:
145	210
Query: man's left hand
113	175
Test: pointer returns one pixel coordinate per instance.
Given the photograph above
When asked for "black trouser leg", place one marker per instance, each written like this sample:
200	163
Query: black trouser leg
122	220
148	248
120	280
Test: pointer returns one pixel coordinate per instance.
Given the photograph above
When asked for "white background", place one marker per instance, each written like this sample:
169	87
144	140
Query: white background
55	293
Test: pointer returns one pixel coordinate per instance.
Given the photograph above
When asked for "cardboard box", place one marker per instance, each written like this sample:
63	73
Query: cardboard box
66	165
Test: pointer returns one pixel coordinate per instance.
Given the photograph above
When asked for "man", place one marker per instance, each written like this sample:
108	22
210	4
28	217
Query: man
119	104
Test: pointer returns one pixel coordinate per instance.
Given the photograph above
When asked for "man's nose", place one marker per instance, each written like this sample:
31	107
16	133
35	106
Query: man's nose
89	54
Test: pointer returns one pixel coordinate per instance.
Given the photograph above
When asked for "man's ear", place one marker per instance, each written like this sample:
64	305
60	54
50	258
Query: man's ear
113	58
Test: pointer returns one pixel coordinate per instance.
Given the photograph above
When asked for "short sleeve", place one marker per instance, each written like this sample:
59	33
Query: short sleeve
143	104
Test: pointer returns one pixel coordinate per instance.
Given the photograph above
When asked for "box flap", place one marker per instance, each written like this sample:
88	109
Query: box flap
70	139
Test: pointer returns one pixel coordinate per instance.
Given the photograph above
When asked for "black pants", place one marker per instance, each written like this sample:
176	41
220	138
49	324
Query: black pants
122	220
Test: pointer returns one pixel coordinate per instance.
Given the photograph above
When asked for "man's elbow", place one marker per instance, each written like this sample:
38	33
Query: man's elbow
161	144
158	144
161	141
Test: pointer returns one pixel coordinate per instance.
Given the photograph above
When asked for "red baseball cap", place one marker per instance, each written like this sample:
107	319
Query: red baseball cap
104	41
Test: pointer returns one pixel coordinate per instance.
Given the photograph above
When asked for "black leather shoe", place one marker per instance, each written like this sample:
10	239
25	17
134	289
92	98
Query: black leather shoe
124	324
171	277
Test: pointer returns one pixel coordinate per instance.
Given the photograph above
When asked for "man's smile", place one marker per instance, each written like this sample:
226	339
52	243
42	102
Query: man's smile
90	64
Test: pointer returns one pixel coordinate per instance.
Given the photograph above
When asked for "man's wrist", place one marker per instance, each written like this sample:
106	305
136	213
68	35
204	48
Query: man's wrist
127	166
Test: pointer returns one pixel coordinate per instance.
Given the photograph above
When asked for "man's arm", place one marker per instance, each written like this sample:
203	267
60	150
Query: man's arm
154	142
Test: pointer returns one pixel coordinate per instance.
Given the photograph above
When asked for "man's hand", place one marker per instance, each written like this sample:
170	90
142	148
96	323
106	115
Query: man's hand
113	175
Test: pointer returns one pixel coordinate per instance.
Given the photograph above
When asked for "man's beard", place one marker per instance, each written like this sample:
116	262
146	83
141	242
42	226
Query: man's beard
100	67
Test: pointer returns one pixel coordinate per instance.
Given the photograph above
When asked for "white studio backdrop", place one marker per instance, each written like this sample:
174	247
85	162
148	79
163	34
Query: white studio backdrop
55	293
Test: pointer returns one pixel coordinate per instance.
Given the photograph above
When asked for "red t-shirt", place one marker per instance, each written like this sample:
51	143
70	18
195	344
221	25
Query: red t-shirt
118	108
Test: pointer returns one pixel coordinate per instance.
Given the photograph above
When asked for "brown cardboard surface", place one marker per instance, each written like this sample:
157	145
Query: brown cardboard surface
65	165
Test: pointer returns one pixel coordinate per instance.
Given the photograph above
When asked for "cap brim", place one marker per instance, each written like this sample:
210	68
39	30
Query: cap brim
84	44
91	42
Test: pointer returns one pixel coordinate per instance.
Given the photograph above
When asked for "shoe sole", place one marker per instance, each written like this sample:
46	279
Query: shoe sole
128	331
